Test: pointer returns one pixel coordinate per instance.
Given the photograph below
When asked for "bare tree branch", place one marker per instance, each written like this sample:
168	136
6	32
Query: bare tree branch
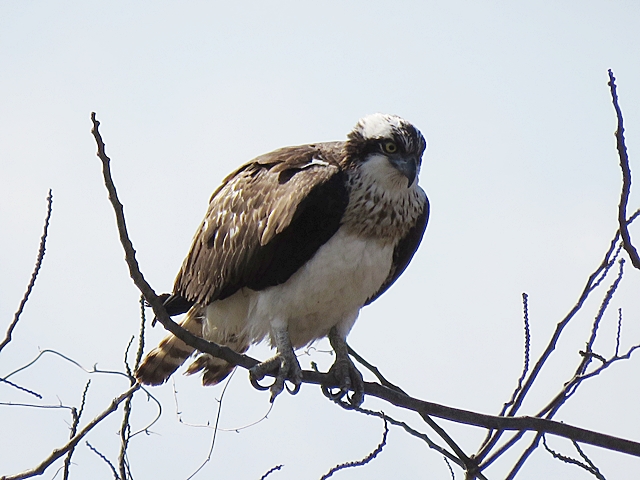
468	463
408	429
105	459
215	429
270	471
74	429
590	467
34	275
18	387
59	452
626	178
527	348
394	397
366	459
593	281
125	428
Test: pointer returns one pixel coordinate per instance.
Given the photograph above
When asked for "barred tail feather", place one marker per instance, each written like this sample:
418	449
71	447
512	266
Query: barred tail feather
161	362
214	370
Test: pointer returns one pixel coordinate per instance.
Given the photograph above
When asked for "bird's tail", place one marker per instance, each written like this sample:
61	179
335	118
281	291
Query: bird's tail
214	370
162	361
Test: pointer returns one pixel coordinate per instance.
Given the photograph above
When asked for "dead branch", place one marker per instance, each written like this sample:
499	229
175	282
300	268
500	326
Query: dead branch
104	459
270	471
59	452
594	280
125	428
76	413
395	397
589	467
626	177
366	459
34	275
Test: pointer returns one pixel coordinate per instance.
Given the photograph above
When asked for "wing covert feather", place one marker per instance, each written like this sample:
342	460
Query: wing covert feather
266	220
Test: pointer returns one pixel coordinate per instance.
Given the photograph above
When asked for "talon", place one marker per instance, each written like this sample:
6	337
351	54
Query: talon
255	382
295	389
357	398
284	367
327	391
345	373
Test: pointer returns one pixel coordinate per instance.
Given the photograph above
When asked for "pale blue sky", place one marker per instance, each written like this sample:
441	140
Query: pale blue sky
521	172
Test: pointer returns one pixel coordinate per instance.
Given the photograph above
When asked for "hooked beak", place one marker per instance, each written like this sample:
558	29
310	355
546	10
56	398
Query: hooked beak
407	166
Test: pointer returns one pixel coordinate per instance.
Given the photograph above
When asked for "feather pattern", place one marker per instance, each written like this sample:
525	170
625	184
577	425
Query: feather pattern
267	219
299	239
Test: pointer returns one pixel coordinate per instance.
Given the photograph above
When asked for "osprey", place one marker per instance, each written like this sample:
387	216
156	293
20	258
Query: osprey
293	245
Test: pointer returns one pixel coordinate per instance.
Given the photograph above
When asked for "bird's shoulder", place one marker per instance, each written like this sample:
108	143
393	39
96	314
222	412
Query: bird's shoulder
267	218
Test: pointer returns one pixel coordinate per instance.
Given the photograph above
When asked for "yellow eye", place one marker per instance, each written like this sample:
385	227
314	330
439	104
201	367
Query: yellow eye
390	147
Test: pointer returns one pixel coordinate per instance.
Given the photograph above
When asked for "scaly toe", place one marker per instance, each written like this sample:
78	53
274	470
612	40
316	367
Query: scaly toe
347	377
258	372
283	367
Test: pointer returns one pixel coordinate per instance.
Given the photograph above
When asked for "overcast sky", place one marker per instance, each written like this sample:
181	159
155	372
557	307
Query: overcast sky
521	172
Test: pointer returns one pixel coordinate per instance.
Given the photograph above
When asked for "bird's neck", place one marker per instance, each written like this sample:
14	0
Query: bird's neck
379	212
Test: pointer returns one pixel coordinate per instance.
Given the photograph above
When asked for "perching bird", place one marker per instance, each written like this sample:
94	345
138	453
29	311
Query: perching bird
293	245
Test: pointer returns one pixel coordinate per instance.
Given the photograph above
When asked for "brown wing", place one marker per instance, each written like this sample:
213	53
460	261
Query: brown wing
404	251
264	222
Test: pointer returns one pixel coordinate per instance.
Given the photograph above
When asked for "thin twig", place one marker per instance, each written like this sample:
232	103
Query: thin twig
26	390
596	470
105	459
270	471
74	429
527	348
525	367
468	463
626	177
572	461
523	458
136	275
34	275
592	282
618	332
373	369
59	452
453	475
215	427
570	387
603	308
366	459
125	428
411	431
68	359
506	446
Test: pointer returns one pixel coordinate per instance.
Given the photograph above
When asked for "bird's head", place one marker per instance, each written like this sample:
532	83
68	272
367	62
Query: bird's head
386	147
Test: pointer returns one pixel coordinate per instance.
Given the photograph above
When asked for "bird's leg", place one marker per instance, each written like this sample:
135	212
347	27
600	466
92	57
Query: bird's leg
344	372
284	365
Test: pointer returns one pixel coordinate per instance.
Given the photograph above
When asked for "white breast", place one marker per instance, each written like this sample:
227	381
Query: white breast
327	291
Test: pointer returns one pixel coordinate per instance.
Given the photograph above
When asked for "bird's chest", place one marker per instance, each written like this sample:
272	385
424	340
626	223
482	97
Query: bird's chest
337	281
384	214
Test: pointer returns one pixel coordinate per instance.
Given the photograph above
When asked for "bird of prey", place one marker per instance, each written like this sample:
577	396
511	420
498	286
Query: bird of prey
294	243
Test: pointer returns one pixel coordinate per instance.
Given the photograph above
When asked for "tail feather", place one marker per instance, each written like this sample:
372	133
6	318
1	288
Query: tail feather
161	362
214	370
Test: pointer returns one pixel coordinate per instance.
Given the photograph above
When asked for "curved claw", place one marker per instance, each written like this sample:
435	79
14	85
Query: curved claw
357	398
334	397
284	367
295	389
349	378
255	383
